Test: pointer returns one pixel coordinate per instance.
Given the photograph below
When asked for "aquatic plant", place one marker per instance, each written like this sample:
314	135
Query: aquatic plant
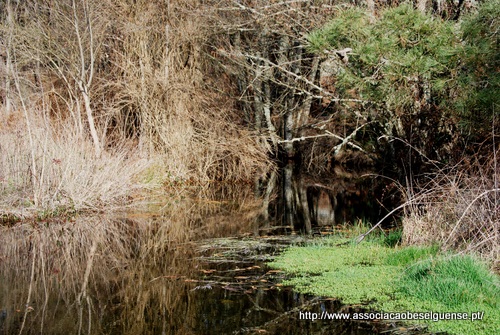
414	279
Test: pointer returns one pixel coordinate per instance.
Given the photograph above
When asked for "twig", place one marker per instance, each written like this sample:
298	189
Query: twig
362	236
303	138
467	209
345	140
296	76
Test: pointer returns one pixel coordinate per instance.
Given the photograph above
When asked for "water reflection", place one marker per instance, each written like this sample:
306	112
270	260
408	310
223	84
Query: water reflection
157	271
303	203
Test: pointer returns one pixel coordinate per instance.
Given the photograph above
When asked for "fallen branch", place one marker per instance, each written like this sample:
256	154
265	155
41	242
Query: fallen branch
362	236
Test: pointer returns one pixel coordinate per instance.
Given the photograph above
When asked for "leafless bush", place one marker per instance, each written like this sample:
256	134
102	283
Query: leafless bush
66	176
458	209
114	71
182	102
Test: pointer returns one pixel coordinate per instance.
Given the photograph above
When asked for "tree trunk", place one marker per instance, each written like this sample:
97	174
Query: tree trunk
10	24
305	110
91	121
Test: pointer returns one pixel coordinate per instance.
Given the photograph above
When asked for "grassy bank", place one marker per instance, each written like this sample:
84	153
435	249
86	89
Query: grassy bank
397	279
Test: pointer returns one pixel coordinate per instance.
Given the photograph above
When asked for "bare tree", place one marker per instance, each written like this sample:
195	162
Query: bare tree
63	41
85	74
279	84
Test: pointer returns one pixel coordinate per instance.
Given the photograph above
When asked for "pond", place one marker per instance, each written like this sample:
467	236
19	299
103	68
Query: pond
194	264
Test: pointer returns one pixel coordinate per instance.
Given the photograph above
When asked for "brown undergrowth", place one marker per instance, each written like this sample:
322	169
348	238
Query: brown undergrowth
46	173
458	209
99	106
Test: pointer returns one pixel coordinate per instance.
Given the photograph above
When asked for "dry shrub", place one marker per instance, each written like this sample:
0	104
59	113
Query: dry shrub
149	62
171	86
58	171
458	209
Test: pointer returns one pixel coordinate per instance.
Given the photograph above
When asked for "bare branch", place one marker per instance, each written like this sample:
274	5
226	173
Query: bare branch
467	210
296	76
338	147
79	41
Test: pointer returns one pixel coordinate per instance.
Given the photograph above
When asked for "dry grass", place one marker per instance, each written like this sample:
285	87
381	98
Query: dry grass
458	209
58	171
167	90
154	81
147	93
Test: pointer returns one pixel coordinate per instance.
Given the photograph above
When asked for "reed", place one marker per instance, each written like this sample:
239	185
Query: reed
458	209
57	172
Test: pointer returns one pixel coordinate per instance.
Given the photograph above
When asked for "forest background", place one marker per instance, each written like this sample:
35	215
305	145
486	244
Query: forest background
101	100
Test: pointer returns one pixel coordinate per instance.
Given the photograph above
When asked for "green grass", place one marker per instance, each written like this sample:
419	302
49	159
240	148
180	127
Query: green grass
409	255
416	279
393	238
456	281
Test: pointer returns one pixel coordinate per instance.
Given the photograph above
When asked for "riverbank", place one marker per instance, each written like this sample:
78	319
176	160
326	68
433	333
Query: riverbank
398	279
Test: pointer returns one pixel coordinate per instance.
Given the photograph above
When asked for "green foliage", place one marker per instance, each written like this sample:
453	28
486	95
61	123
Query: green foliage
407	59
348	26
393	57
479	79
415	279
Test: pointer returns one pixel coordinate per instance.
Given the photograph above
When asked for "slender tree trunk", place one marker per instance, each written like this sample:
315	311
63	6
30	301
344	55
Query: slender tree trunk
301	194
288	118
305	110
84	81
266	92
10	25
242	79
257	95
289	204
91	121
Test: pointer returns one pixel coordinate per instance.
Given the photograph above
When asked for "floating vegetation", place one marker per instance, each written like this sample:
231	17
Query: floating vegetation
401	279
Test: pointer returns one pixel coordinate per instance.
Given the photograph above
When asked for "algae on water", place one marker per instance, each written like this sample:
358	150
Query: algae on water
413	279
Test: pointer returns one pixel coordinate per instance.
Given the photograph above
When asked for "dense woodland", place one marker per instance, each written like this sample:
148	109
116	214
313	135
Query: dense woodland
201	90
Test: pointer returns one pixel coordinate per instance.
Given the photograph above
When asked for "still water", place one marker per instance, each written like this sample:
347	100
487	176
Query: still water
191	264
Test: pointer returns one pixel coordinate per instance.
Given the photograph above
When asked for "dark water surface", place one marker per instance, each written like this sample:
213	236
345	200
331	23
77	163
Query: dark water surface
191	264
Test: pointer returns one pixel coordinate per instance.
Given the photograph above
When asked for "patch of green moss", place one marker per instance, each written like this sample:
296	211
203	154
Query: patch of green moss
329	258
414	279
355	284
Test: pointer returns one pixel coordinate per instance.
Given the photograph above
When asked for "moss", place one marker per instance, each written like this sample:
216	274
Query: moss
415	279
355	284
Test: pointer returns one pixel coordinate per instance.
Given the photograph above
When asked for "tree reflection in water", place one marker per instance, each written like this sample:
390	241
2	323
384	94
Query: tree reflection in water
144	273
